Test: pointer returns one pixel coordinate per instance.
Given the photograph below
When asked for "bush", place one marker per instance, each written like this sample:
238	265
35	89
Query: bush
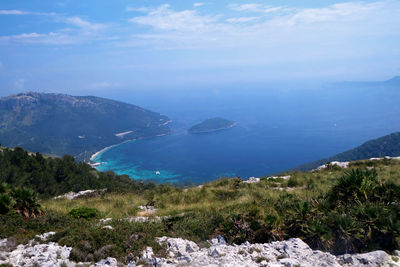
22	200
6	203
26	202
84	212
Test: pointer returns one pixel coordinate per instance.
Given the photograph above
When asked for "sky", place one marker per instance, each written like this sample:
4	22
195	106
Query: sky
94	46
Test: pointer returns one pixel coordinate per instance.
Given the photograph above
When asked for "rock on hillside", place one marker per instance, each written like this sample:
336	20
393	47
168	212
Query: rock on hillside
63	124
293	252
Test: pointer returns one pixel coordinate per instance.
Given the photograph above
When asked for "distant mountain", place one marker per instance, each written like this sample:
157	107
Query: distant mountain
212	125
393	82
388	145
77	125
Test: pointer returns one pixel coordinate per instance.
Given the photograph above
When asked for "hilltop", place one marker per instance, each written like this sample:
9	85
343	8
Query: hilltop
61	124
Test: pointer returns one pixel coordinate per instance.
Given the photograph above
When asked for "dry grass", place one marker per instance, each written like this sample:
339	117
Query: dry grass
219	194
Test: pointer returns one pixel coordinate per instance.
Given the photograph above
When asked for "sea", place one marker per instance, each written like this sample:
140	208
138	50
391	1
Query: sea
278	128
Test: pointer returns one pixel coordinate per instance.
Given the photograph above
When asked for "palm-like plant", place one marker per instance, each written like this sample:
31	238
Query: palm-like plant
6	203
26	202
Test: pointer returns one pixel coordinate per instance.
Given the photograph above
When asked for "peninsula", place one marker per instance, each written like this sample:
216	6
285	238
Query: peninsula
212	125
59	124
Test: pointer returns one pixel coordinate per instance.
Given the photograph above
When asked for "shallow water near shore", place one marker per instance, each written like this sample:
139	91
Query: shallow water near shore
277	130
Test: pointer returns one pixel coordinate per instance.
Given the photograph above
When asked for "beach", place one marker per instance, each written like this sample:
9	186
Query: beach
94	163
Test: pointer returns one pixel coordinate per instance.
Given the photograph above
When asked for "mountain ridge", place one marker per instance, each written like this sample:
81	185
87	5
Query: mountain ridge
388	145
78	125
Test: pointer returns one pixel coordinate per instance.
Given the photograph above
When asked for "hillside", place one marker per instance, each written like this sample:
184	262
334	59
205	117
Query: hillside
55	176
77	125
388	145
212	125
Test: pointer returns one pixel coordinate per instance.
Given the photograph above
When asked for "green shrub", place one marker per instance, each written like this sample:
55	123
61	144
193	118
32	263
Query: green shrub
6	203
292	182
354	185
26	202
84	212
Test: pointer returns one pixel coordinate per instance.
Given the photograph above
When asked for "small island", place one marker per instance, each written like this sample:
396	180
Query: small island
212	125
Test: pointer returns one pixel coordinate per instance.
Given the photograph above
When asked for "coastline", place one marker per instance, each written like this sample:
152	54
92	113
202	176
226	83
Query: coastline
93	163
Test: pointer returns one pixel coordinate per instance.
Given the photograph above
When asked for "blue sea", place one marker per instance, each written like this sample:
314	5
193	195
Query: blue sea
279	127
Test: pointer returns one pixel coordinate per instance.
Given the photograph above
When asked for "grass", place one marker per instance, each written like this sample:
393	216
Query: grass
334	210
110	205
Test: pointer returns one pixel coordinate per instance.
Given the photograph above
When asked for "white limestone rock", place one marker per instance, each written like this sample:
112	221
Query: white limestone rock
292	252
85	193
50	254
45	236
111	262
252	180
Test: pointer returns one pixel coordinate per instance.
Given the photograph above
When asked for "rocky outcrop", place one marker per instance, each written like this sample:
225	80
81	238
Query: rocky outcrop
344	164
47	255
293	252
82	194
252	180
180	252
34	254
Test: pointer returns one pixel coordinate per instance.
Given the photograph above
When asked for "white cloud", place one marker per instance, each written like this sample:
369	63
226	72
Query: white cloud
337	12
32	35
51	38
21	12
84	24
258	8
198	4
164	18
84	31
13	12
273	27
246	7
242	19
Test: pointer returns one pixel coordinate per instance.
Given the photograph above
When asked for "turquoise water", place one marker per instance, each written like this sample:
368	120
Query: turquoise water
277	130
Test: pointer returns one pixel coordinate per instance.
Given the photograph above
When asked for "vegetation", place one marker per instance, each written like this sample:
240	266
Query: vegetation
388	145
211	125
84	212
56	176
337	210
20	200
60	124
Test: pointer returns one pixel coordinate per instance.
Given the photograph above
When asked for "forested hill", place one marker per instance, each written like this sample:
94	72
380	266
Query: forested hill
76	125
55	176
388	145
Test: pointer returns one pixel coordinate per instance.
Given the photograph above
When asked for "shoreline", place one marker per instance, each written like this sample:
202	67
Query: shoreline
91	159
94	163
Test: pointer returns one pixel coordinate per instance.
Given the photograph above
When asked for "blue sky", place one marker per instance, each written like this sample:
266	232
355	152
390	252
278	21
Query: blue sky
92	46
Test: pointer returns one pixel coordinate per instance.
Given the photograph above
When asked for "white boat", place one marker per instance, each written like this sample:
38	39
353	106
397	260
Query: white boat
157	173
